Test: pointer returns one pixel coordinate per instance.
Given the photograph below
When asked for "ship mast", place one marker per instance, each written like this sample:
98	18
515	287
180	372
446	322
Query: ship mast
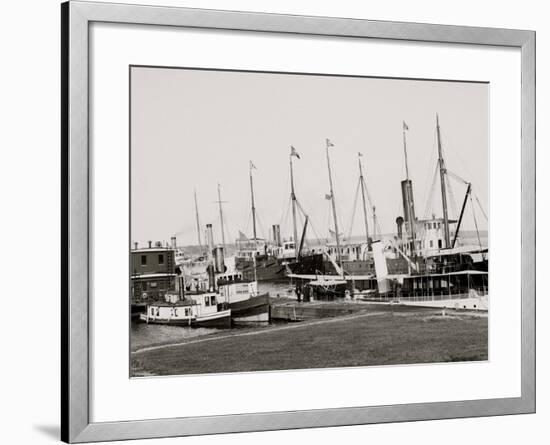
252	166
293	198
408	191
198	221
442	172
333	200
374	222
220	202
363	187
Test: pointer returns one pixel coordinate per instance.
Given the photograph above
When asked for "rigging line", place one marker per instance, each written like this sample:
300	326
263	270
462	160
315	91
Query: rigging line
455	176
354	209
262	227
310	222
285	217
481	208
284	213
427	189
452	197
429	201
328	221
247	224
475	223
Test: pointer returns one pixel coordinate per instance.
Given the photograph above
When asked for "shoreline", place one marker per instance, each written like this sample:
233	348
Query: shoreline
371	335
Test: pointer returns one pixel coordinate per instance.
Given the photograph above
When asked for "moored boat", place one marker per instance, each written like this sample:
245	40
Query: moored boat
467	289
200	309
242	297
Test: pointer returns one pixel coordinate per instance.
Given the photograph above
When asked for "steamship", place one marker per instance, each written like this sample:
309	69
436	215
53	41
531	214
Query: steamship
423	265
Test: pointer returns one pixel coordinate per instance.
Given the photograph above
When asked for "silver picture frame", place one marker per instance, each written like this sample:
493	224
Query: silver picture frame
76	18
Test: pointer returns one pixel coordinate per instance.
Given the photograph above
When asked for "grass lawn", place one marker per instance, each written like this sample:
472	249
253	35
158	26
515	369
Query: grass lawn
376	338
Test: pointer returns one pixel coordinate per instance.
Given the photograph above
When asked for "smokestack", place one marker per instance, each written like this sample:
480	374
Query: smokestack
173	241
408	200
276	234
399	221
211	278
135	245
209	238
150	244
219	260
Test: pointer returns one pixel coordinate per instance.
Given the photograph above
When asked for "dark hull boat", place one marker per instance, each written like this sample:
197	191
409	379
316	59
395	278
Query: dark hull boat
253	310
268	268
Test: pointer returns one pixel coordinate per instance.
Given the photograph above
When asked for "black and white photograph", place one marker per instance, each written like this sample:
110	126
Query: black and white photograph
286	221
243	222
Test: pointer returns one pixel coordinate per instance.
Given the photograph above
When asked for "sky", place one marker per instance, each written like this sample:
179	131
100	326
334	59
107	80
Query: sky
192	129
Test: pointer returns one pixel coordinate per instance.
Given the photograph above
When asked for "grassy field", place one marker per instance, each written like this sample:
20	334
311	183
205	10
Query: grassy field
372	337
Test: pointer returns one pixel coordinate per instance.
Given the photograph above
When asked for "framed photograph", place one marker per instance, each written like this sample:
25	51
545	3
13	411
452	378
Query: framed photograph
275	222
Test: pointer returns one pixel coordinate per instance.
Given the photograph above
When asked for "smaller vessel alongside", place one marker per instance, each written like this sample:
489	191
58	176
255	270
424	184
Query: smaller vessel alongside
242	297
198	309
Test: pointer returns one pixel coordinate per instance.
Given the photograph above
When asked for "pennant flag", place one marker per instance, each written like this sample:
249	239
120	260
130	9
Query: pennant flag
252	166
360	154
329	144
293	152
328	196
405	126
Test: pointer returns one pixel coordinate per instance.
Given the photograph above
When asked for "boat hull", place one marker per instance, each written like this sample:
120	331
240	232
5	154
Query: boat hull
267	268
221	319
480	303
253	310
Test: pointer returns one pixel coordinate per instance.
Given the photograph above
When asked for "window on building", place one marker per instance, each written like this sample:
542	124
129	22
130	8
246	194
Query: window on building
207	301
161	259
144	260
431	243
440	243
213	300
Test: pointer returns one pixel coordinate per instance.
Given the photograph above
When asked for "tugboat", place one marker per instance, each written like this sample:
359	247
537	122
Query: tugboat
200	309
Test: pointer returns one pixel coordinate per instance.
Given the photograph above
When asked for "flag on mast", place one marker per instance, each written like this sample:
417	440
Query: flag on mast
252	166
329	144
359	154
328	196
405	126
293	152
